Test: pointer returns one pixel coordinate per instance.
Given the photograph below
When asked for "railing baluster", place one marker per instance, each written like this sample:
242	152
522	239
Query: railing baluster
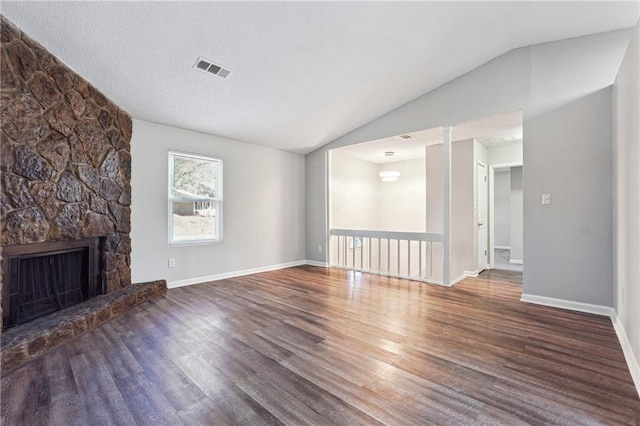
409	258
420	259
431	260
361	253
398	262
344	257
369	254
388	256
353	253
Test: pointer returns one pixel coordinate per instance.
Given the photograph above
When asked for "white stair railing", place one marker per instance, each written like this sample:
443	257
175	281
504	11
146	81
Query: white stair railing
411	255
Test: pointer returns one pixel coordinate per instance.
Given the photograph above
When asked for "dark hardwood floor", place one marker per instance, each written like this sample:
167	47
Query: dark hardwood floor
308	345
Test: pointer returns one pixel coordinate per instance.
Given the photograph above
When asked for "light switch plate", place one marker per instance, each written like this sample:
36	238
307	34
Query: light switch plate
546	199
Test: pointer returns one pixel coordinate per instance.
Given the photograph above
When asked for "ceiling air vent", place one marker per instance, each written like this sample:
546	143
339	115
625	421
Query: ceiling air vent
211	68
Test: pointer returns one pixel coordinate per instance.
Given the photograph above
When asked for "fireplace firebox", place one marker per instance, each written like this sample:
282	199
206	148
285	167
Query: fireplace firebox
43	278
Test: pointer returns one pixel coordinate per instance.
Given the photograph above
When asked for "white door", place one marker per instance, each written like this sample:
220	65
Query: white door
482	217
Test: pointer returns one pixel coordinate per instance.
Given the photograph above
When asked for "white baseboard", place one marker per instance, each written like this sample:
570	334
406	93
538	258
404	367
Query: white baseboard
225	275
474	274
457	280
629	356
316	263
502	247
567	304
516	261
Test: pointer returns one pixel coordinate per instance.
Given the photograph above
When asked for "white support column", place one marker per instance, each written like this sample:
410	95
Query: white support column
446	220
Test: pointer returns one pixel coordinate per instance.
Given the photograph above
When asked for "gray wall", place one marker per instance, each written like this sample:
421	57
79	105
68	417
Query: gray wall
263	206
516	214
502	209
564	78
567	243
626	237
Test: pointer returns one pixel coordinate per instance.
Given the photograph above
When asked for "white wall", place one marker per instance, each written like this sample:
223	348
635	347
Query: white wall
505	154
566	113
402	204
479	157
502	209
516	213
626	237
354	193
263	210
360	200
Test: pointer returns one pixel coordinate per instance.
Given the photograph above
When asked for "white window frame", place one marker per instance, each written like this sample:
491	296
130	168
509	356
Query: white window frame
217	201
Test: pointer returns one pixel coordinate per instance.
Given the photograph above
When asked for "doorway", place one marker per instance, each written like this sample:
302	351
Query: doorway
506	216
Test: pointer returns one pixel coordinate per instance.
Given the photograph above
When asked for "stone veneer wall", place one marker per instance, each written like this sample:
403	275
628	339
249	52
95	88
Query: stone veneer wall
65	163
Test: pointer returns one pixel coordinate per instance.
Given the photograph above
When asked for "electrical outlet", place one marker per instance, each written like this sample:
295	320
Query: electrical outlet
172	263
319	248
546	199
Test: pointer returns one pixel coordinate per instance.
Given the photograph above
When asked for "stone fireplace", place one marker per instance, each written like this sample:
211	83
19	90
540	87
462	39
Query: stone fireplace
65	195
43	278
65	159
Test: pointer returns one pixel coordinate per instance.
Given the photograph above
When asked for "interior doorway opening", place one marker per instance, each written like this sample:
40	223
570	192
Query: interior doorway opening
419	201
507	215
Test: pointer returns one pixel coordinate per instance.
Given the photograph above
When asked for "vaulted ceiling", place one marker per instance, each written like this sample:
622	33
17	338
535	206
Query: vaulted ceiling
303	73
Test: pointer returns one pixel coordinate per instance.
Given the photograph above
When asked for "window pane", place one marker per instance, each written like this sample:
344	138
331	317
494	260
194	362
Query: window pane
194	220
194	177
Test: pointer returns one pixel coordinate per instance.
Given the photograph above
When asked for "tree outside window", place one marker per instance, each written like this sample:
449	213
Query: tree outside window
195	198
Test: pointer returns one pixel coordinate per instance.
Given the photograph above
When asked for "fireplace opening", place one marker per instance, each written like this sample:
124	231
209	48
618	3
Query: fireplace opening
43	278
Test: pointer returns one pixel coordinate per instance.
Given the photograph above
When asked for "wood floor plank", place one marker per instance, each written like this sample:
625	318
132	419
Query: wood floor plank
362	399
104	403
15	396
332	409
175	386
236	405
310	345
147	405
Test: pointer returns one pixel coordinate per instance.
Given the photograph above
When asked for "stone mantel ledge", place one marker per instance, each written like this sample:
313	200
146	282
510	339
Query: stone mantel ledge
26	341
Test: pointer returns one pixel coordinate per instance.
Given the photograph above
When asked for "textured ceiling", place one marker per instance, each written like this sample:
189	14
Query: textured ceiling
304	73
495	130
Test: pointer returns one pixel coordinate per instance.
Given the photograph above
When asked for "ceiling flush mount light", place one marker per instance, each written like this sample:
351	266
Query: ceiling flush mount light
389	175
209	67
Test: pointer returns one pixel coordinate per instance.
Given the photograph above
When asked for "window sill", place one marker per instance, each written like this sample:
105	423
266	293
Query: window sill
194	243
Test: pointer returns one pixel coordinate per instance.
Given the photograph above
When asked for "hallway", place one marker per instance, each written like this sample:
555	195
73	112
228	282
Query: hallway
501	261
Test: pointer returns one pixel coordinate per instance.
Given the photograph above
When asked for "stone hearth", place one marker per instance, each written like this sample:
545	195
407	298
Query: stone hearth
26	341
